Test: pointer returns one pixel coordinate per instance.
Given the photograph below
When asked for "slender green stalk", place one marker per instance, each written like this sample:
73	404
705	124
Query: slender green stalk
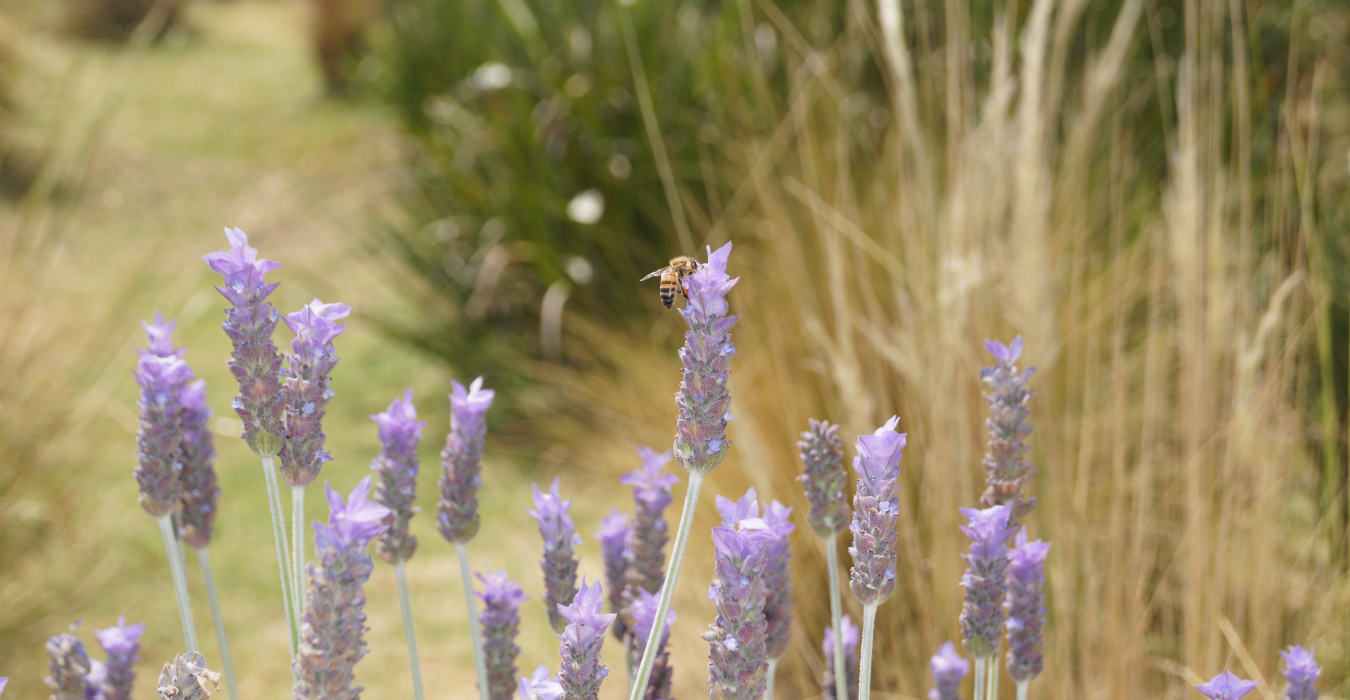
639	688
205	562
1022	690
768	679
479	664
865	654
298	541
979	678
283	551
993	678
836	618
179	576
401	574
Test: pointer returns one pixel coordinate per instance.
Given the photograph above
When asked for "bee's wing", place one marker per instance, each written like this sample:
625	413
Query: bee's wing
658	273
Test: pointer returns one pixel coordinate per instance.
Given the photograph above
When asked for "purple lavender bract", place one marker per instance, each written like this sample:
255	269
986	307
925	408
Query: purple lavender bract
307	393
400	433
200	489
1226	686
985	580
1005	462
850	641
701	428
499	622
249	322
613	533
1302	671
121	644
1026	613
68	667
643	609
736	639
540	686
560	559
333	628
185	678
824	479
948	669
644	549
457	509
581	671
162	379
875	507
771	530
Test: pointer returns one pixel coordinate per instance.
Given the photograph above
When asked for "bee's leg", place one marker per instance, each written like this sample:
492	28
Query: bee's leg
684	291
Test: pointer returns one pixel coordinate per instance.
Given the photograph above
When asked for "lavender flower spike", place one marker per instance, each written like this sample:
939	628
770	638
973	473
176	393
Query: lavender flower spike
200	489
249	322
612	534
400	433
560	559
824	479
850	641
701	429
644	618
985	581
875	506
3	682
771	530
185	678
1005	462
1302	671
162	378
645	546
457	510
1226	686
948	669
500	621
736	639
333	628
581	672
307	392
68	667
540	686
121	644
1026	614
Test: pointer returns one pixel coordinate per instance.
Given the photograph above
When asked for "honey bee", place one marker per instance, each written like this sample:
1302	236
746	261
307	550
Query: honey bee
672	278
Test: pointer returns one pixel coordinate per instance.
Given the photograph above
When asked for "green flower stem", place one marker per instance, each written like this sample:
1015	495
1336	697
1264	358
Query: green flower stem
179	576
836	617
205	561
400	573
865	657
768	679
479	664
979	678
639	688
993	678
298	541
283	552
1022	690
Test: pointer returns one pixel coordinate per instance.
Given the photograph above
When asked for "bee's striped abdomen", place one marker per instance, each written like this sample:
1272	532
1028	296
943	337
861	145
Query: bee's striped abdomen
669	282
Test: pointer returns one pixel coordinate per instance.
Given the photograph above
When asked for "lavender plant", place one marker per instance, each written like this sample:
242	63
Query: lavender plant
875	507
582	639
1226	686
69	665
3	682
400	433
948	669
185	678
457	509
1006	463
540	685
333	628
1024	609
643	610
1302	671
560	559
824	480
833	680
500	621
703	402
985	581
736	639
613	534
644	548
121	643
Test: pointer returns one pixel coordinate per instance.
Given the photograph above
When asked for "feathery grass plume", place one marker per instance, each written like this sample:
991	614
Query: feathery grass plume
540	685
985	581
875	508
499	622
249	322
771	530
200	489
701	429
1025	611
1006	463
185	678
823	477
948	669
1226	686
850	641
121	643
68	666
1302	671
560	559
581	672
736	639
613	534
643	609
457	510
307	389
644	550
400	433
162	378
333	628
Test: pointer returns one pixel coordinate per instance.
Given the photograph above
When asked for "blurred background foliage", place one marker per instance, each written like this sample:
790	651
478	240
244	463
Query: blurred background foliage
1153	193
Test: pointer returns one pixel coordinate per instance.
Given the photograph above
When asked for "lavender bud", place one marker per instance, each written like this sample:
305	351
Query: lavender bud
850	640
499	622
560	559
736	639
457	510
1006	463
540	686
948	669
771	531
581	672
162	379
701	429
307	389
96	681
1026	614
68	667
875	507
200	490
400	433
185	678
612	535
822	453
249	322
644	550
1302	671
644	617
1226	686
332	631
985	580
121	644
